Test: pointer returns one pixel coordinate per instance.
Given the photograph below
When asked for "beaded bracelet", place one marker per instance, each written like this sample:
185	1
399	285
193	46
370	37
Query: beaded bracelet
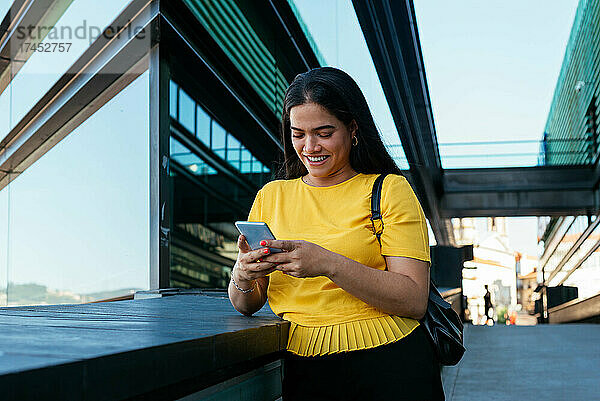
236	286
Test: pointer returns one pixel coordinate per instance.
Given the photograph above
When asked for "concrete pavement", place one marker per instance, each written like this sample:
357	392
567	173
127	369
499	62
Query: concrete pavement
547	362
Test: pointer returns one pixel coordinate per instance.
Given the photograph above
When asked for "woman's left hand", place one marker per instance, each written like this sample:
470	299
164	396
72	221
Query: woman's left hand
300	258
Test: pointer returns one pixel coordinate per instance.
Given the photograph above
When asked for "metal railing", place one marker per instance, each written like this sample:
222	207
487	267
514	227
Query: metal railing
516	153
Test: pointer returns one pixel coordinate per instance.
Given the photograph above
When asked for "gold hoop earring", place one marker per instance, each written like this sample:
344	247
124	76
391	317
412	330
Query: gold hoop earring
354	140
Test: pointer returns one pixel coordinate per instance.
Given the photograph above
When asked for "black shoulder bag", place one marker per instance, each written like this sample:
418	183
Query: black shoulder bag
441	322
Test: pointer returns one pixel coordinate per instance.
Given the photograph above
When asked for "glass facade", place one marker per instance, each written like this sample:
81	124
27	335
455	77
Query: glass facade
199	124
587	276
82	22
4	127
77	220
214	180
5	106
564	239
572	130
581	269
4	7
75	225
4	246
571	137
251	54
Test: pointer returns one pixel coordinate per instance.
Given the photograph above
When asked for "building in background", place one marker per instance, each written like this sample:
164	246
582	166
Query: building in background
568	245
526	285
572	131
569	258
495	264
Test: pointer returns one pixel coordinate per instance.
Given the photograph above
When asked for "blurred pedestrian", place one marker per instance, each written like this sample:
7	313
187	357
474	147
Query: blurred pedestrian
487	300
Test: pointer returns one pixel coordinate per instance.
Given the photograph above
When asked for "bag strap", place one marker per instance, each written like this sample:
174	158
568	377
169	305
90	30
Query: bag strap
377	224
376	219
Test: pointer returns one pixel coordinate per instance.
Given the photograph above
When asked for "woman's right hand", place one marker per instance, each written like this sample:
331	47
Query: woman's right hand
248	266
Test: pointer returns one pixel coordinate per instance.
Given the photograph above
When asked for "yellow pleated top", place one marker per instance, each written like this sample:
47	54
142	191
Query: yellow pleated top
324	318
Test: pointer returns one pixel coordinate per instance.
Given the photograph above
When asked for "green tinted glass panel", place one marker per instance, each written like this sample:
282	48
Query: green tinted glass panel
203	126
186	111
234	33
173	99
246	166
246	155
218	139
256	166
208	131
573	124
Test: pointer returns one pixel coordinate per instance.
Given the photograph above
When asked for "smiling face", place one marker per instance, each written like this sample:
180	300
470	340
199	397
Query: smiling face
322	142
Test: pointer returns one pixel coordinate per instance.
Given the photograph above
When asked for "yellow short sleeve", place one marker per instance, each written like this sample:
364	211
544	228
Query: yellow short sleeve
404	223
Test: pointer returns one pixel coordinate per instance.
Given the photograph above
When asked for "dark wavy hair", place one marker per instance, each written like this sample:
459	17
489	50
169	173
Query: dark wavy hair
339	94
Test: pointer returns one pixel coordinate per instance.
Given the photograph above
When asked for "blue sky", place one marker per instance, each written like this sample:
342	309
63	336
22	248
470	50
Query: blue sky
4	6
492	68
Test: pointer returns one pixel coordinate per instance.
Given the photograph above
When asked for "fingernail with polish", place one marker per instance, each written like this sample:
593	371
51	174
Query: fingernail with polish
263	243
265	251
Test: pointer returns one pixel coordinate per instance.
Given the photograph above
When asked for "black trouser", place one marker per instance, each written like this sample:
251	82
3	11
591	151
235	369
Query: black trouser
404	370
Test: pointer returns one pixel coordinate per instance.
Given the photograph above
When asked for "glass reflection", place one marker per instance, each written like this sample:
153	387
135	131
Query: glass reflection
217	142
173	99
186	158
79	26
79	224
587	277
190	269
4	7
5	122
4	231
210	133
567	241
548	261
234	148
202	125
253	54
207	197
186	111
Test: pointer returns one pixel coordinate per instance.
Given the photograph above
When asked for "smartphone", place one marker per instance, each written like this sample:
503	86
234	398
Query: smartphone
256	232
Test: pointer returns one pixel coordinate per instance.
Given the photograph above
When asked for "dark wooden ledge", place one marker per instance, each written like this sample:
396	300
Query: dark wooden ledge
157	348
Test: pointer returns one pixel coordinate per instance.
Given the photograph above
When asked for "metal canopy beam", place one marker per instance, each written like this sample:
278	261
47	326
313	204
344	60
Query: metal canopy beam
519	191
522	203
510	179
390	31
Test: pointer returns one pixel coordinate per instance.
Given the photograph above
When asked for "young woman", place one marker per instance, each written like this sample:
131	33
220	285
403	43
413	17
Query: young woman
353	304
